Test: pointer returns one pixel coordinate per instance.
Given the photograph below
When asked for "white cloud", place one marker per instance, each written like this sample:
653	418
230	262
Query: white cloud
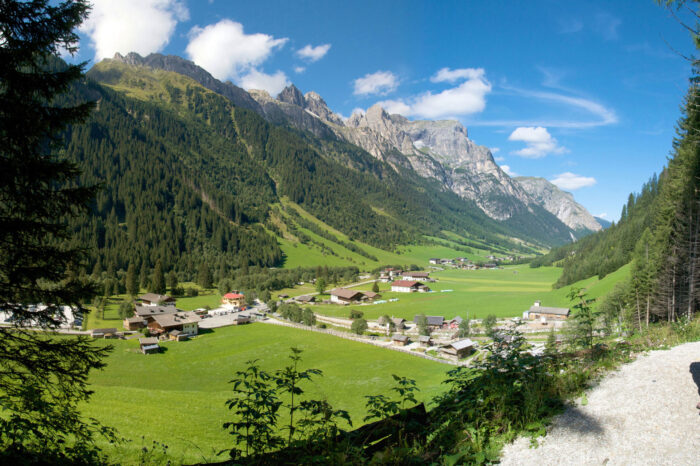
509	172
272	83
499	159
494	150
359	110
313	54
141	26
381	82
448	75
538	142
603	215
571	182
227	52
299	69
467	98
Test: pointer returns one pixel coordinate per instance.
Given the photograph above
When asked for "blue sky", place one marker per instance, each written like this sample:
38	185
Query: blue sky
585	94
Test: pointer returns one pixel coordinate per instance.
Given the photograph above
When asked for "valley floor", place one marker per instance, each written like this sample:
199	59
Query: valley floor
645	413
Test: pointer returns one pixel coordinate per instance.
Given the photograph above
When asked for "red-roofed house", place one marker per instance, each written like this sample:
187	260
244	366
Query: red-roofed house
233	300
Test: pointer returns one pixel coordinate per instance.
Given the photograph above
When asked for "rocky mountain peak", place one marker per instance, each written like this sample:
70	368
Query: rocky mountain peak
292	95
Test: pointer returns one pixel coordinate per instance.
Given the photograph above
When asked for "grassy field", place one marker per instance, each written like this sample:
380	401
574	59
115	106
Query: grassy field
177	397
503	292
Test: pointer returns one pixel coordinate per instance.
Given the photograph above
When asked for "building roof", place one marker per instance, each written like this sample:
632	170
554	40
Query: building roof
558	311
134	320
345	293
233	296
155	298
424	338
398	320
417	274
399	337
148	341
178	318
457	320
305	298
175	332
370	294
103	330
461	344
432	320
406	283
147	311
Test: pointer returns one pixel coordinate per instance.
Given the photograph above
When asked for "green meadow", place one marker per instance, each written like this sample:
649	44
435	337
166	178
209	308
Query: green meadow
177	397
503	292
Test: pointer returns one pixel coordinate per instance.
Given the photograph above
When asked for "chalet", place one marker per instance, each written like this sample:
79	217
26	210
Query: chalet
408	286
370	295
454	323
434	261
233	300
399	339
187	322
425	340
146	312
103	333
153	299
345	296
434	322
458	349
134	323
305	299
416	276
537	311
149	345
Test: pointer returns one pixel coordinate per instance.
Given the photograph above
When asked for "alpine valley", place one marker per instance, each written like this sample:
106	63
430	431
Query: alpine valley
229	176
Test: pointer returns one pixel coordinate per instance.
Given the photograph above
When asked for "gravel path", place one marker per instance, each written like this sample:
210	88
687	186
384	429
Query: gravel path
642	414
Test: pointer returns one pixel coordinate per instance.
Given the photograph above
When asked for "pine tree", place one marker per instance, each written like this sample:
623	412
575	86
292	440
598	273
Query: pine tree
43	380
143	276
172	280
375	287
204	276
158	281
132	284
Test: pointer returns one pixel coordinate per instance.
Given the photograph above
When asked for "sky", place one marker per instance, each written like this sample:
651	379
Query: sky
585	94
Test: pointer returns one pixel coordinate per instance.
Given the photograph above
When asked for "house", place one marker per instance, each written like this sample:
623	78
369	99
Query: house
454	323
233	299
490	265
134	323
537	311
434	322
147	312
458	349
417	276
177	335
384	277
399	339
103	333
187	322
153	299
408	286
345	296
149	345
425	340
305	299
399	323
370	295
434	261
392	272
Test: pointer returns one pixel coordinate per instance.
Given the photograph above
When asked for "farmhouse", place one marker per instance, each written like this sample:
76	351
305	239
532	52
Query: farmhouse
153	299
434	322
149	345
187	322
147	313
305	299
537	311
408	286
399	339
345	296
103	333
458	349
233	299
416	276
370	295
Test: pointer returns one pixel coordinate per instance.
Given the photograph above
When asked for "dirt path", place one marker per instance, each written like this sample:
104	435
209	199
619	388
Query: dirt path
643	414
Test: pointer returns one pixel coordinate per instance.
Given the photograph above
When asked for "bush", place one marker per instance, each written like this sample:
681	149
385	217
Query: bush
356	314
359	326
191	292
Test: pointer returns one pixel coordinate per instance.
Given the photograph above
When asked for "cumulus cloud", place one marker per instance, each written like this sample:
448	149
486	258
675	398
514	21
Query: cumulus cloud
570	181
465	99
227	52
272	83
299	69
509	172
312	54
381	83
538	142
141	26
448	75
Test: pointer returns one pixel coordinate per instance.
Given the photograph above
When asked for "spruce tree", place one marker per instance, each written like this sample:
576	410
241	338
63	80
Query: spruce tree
132	283
43	379
204	276
158	281
172	280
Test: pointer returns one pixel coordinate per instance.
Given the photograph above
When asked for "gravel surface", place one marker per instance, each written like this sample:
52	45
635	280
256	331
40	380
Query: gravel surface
645	413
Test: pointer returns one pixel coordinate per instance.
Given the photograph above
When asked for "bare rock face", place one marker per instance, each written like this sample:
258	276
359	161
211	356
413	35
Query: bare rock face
560	203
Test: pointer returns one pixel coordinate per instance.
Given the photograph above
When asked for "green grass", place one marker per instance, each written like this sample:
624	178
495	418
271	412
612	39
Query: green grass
177	397
503	292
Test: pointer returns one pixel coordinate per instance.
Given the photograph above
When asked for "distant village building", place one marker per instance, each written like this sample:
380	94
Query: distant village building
370	296
149	345
134	323
458	349
153	299
434	261
399	323
399	339
345	296
233	300
417	276
454	323
434	322
186	322
408	286
305	299
103	333
425	340
537	311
